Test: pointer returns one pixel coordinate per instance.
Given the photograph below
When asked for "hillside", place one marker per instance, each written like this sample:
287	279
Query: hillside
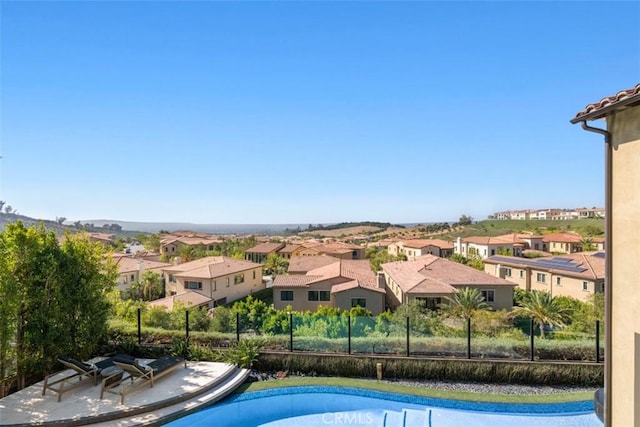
58	229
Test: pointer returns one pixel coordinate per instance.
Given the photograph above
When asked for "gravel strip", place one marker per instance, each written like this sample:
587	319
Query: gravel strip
451	386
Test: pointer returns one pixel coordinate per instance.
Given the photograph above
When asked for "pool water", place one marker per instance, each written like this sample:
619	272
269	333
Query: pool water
340	406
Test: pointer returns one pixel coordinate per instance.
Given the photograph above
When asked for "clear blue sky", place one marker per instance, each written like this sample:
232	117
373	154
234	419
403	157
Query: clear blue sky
306	112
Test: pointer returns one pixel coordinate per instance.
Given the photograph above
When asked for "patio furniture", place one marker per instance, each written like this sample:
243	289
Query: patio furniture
82	370
139	374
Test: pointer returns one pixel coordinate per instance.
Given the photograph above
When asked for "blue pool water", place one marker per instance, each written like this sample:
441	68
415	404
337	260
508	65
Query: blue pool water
340	406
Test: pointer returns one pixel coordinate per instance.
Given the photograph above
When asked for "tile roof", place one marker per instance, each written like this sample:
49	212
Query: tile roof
624	98
265	248
302	264
211	267
127	264
432	274
421	243
188	298
288	249
583	265
295	281
356	272
354	284
562	238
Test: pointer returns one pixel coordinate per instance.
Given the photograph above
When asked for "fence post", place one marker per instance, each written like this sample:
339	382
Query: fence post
186	324
139	330
468	337
291	332
532	335
408	348
597	341
349	334
237	326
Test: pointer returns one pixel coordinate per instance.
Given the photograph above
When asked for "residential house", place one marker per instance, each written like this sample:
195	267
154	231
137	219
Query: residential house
578	276
417	247
483	247
287	251
261	252
106	239
171	245
566	243
130	270
432	279
220	278
343	284
621	135
336	249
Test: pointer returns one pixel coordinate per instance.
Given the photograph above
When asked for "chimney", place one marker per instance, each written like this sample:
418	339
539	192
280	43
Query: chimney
381	281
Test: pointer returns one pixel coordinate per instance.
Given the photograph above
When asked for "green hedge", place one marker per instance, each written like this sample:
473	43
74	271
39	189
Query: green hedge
535	373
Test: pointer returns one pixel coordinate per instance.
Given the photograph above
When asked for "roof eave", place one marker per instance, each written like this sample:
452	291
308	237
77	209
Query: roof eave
602	112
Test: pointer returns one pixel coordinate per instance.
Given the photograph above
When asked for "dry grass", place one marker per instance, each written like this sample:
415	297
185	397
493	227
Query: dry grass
350	231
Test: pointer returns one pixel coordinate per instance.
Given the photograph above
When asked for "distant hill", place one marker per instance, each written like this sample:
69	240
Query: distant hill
58	228
154	227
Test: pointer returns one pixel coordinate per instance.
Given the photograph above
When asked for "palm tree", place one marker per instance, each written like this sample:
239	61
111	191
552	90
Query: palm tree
465	302
543	308
275	264
587	244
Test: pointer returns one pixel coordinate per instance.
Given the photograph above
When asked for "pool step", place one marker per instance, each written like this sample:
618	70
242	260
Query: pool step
407	418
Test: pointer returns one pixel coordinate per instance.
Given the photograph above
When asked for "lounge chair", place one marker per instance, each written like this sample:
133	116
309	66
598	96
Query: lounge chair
140	374
82	370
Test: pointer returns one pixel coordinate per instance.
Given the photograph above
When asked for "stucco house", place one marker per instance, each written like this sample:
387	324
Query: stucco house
220	278
130	270
170	245
483	247
417	247
578	276
431	279
336	249
261	252
567	243
620	403
342	283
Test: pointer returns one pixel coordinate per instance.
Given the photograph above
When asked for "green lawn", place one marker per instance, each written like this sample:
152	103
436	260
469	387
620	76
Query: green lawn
415	390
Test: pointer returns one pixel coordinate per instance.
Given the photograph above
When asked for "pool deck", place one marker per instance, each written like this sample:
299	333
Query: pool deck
176	394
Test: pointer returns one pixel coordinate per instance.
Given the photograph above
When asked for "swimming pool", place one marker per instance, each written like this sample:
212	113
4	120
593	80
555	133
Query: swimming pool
312	406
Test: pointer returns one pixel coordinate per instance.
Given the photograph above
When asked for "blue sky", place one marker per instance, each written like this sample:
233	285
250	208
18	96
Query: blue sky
305	112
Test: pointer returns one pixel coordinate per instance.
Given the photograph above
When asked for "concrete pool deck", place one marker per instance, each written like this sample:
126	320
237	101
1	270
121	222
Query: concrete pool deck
177	393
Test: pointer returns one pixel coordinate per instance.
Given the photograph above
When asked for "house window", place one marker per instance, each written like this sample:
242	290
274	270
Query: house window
286	295
359	302
313	295
489	296
125	279
507	272
254	274
133	277
172	278
485	252
192	285
430	303
493	251
558	281
213	286
541	277
585	286
522	274
325	296
227	282
238	278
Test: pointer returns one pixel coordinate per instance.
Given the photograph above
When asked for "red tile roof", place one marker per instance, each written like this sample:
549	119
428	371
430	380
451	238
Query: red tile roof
626	97
211	267
188	298
303	264
265	248
432	274
562	238
422	243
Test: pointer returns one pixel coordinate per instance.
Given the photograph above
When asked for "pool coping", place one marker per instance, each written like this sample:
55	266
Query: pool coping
557	408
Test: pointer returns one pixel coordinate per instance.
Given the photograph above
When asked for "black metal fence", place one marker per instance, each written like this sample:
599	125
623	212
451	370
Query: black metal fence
461	338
